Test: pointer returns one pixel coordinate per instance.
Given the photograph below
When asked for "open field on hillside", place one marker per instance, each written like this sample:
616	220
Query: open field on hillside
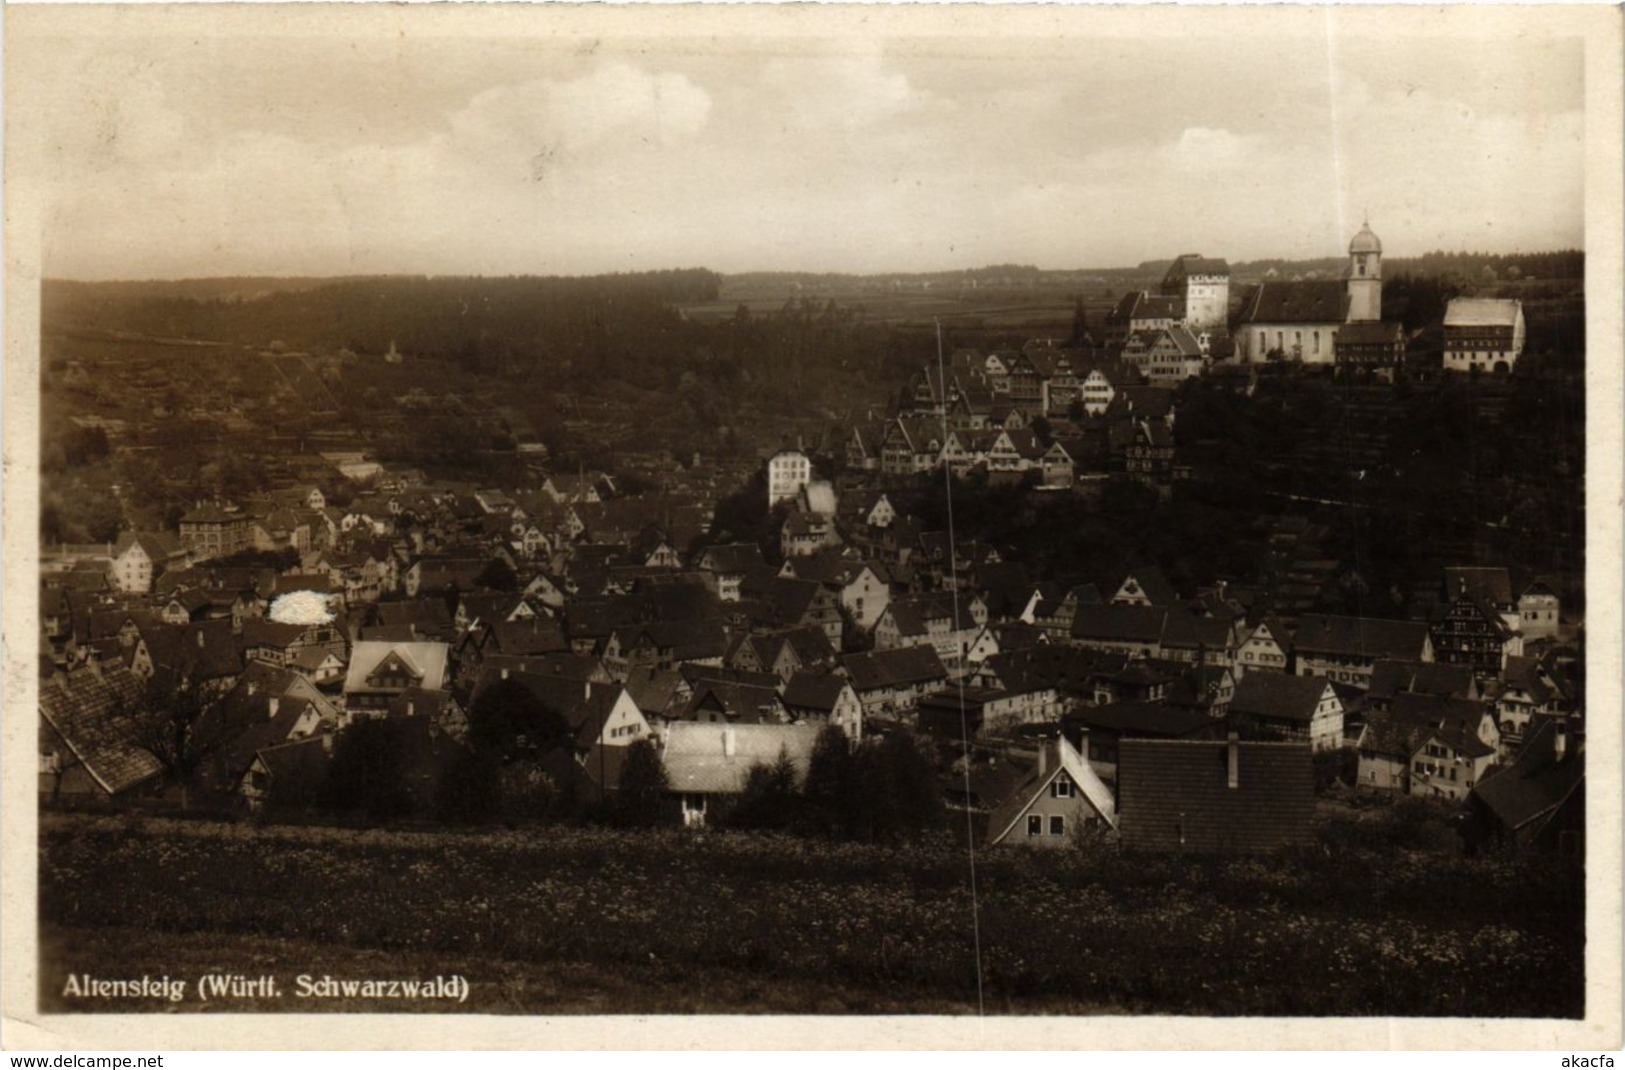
1375	920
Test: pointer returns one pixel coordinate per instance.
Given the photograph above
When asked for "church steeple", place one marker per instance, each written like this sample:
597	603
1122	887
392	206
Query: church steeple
1365	276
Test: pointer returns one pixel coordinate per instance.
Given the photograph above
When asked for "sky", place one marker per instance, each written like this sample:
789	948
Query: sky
186	149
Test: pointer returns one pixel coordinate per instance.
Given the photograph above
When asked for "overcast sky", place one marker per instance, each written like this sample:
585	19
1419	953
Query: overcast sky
372	152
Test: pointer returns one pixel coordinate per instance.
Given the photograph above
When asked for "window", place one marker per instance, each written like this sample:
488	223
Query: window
1061	789
1035	825
1057	826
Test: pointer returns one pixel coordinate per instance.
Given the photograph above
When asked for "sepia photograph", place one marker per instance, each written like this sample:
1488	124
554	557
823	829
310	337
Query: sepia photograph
813	513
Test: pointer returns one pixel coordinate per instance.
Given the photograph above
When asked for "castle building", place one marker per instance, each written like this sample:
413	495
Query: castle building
1300	320
1202	285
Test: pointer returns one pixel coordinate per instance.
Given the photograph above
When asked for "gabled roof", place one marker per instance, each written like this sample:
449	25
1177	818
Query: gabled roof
1279	697
428	659
1119	623
297	770
698	761
1389	678
1531	789
1370	332
157	545
1059	756
1143	719
1194	264
1361	636
906	666
1307	301
84	707
813	691
1174	795
1482	312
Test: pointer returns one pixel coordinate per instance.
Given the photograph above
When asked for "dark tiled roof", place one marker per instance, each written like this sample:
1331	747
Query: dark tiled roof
1535	785
1361	636
86	709
1173	795
813	691
1122	624
1309	301
1144	720
1278	697
892	668
1370	332
1194	264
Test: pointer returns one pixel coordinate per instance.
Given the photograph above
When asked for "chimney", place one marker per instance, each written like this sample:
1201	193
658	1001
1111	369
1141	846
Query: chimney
411	707
272	704
1560	741
200	639
1043	758
504	674
1232	761
729	743
586	690
327	742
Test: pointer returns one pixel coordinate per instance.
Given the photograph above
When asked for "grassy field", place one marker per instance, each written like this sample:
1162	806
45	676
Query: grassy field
593	921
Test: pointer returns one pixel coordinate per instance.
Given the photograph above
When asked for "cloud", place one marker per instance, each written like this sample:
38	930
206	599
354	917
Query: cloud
614	109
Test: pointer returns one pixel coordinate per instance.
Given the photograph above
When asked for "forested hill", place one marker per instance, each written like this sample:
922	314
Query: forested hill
444	317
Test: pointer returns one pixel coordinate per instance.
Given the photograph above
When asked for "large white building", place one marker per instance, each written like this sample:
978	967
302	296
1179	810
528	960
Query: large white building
1483	332
787	472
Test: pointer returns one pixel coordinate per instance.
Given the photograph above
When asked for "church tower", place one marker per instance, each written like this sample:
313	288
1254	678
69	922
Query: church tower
1365	277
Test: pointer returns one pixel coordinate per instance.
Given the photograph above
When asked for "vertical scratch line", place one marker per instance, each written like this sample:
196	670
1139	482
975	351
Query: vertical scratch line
964	727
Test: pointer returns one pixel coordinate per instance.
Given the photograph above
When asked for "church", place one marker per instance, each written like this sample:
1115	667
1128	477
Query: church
1299	321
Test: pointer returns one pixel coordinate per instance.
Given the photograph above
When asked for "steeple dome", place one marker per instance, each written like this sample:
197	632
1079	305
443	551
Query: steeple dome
1365	241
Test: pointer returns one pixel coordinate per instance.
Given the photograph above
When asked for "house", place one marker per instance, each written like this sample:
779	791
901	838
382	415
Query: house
215	529
1539	801
1145	586
727	566
1265	648
1483	334
707	764
1101	730
1469	630
1214	796
1538	610
1427	745
947	622
891	681
1524	691
378	671
1202	640
1370	349
976	711
1060	799
1150	453
820	698
1130	629
598	714
1166	357
92	747
1298	708
807	533
788	471
287	776
718	701
1346	649
140	557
